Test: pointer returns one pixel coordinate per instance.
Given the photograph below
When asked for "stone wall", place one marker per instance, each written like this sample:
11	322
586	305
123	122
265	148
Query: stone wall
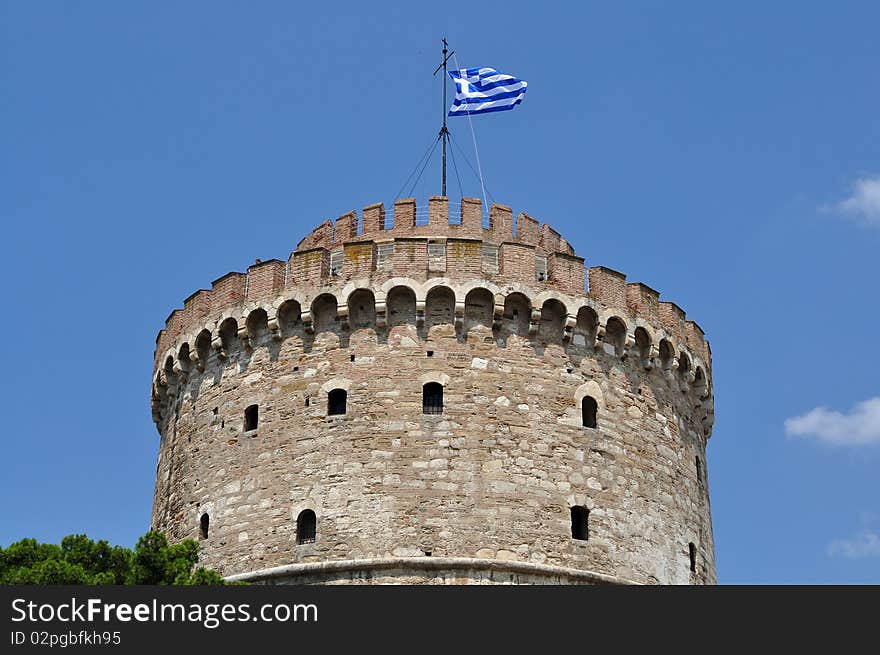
492	479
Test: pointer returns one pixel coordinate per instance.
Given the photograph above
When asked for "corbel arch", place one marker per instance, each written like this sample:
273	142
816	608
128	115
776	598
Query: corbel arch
551	294
389	284
354	285
463	289
429	285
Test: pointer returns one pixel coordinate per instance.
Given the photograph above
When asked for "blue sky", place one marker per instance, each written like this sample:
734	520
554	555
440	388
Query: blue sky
727	156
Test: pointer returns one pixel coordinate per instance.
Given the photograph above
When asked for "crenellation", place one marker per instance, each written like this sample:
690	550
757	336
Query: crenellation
696	340
227	290
404	214
438	212
265	279
174	325
197	307
310	266
472	218
320	237
643	301
346	228
552	242
567	272
501	223
550	260
528	230
672	318
607	286
373	219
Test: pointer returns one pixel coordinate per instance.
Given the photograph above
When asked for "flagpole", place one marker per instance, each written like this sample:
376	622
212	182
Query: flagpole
444	131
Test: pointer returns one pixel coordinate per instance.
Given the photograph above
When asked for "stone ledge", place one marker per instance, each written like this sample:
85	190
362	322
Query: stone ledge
423	564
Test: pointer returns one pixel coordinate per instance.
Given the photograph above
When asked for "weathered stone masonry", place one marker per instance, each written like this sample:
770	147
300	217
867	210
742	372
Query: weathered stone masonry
482	492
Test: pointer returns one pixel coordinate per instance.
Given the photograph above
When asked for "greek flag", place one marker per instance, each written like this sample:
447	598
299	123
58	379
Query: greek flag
481	90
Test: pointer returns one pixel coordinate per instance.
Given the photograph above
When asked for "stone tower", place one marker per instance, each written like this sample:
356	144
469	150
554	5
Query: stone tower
426	400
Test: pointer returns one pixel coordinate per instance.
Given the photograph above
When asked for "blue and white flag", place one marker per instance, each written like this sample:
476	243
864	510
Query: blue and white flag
482	90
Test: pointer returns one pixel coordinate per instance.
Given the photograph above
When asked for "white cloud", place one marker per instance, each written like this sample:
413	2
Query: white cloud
864	544
864	202
861	426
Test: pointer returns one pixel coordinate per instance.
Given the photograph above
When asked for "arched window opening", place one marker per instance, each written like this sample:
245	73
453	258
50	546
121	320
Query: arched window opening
699	467
684	364
700	384
479	309
553	314
517	314
586	327
439	307
615	336
289	315
203	347
432	398
580	518
183	358
401	306
643	344
257	326
667	354
692	553
336	401
306	527
229	335
251	417
324	313
203	526
362	309
589	409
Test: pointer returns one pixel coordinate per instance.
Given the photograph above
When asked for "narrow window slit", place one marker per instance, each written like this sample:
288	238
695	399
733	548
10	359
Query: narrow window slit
336	402
589	409
306	527
432	398
580	528
251	417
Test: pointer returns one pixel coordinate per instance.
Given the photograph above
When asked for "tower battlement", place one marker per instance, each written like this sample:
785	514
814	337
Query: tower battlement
506	252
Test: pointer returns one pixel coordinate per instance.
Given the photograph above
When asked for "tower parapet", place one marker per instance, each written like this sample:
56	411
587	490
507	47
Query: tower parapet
498	315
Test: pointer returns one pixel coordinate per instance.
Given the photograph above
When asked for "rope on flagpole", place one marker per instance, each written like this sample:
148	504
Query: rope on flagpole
467	161
476	150
455	168
423	158
425	165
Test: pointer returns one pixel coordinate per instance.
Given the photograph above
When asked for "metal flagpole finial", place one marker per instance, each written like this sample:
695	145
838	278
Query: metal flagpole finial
444	131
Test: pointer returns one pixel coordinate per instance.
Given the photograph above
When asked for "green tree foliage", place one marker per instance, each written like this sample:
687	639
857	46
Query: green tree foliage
79	560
